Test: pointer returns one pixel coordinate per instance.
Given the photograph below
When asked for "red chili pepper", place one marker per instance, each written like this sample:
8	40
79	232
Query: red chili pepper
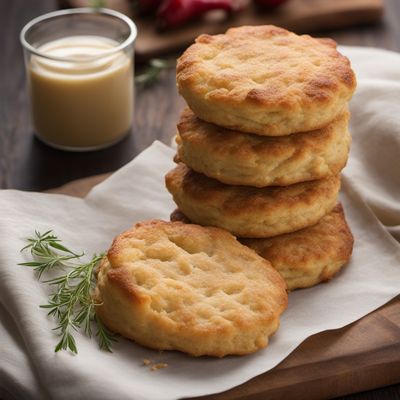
173	13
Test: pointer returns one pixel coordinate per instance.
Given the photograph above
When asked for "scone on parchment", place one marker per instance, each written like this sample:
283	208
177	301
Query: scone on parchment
238	158
265	80
175	286
306	257
311	255
247	211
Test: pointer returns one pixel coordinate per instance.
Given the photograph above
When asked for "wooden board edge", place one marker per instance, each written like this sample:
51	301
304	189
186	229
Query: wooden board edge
327	384
79	187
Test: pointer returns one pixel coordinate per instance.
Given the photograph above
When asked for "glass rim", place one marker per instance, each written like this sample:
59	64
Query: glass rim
75	11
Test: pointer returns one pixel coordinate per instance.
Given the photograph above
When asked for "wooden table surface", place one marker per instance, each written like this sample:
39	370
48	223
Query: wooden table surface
25	163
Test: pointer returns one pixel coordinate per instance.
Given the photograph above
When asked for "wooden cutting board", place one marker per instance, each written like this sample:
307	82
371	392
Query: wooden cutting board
359	357
296	15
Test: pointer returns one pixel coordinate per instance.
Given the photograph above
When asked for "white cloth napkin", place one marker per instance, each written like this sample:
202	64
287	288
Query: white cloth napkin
30	369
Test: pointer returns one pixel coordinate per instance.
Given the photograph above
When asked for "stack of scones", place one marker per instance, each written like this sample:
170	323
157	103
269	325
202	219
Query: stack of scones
260	151
262	145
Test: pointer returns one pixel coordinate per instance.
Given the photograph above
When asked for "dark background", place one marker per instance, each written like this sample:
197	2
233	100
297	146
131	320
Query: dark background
27	164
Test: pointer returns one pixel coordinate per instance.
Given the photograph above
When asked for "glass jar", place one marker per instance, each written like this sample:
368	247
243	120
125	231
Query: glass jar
80	72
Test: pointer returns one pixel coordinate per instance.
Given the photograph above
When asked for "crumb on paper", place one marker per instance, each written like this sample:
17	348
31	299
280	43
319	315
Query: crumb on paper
153	365
158	366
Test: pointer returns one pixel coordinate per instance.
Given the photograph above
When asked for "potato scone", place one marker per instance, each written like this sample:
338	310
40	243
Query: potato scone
265	80
175	286
251	212
239	158
306	257
311	255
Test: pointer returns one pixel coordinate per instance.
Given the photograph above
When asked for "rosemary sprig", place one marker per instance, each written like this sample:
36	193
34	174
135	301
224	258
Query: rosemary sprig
42	248
71	302
153	71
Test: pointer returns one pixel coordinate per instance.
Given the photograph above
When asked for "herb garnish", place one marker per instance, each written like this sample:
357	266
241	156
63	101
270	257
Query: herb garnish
70	303
152	73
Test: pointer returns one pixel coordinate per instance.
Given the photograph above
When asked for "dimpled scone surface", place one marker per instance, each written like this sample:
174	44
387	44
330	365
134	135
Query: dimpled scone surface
311	255
238	158
178	286
247	211
265	80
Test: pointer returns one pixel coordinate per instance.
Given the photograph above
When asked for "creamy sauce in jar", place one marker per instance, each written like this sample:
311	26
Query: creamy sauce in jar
85	102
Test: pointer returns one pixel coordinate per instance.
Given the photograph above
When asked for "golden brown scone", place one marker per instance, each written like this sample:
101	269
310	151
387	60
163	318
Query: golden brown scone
265	80
175	286
239	158
251	212
306	257
311	255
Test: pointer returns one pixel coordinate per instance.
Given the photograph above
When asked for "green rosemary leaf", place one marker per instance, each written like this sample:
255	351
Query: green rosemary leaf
67	342
56	245
46	306
106	338
31	264
70	303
